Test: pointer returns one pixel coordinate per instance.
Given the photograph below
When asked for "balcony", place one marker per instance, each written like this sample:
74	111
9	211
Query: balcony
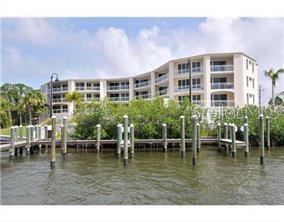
197	102
61	89
118	99
223	85
184	88
143	84
60	111
222	103
93	88
80	88
144	96
194	70
162	92
117	88
59	100
222	68
161	78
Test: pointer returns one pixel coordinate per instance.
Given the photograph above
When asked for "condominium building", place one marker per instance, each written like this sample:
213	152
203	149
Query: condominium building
217	80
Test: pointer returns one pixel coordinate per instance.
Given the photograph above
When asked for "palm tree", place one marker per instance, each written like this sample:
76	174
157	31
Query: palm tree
74	97
274	76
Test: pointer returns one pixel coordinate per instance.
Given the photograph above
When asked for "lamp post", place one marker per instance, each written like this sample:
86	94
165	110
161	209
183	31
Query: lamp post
189	73
51	86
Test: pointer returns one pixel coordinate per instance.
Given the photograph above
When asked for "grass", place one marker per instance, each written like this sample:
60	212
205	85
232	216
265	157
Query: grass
6	131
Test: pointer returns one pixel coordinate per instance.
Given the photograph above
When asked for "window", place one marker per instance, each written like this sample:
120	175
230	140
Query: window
183	67
196	83
65	109
247	65
219	97
195	64
253	67
196	97
183	82
219	80
253	99
252	83
247	98
181	98
89	84
218	63
247	81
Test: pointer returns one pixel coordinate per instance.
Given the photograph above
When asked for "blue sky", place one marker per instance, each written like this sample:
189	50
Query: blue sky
32	48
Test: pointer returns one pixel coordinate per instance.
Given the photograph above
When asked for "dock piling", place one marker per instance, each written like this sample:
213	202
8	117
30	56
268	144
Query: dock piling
12	142
98	137
119	139
132	138
182	129
125	150
64	137
261	138
194	135
198	144
234	148
268	132
164	132
28	139
21	132
53	137
16	133
226	137
246	139
219	137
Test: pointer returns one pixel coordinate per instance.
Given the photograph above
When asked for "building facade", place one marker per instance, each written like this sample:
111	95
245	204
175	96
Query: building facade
218	80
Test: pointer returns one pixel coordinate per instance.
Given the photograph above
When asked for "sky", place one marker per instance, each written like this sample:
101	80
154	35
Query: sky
33	48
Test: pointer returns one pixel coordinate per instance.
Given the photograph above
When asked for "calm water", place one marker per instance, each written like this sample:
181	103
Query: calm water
150	178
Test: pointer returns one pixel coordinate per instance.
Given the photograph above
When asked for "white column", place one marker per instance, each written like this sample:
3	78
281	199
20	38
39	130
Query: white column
207	84
131	88
103	89
153	85
240	92
171	80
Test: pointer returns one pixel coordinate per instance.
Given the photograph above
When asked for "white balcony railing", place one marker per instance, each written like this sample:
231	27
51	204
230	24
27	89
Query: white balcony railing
144	96
162	92
223	85
59	100
183	88
222	68
113	88
61	89
193	70
222	103
80	88
161	78
143	84
93	88
115	99
60	110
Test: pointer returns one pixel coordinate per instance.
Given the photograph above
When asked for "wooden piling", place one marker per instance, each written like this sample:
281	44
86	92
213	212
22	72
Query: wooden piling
20	132
164	132
16	133
46	137
219	137
233	131
132	138
246	139
229	137
98	137
194	135
12	142
53	138
182	132
28	139
36	132
125	151
261	138
119	139
226	137
198	145
32	131
268	132
64	137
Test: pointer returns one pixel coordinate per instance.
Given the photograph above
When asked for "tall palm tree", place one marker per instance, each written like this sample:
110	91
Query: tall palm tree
274	76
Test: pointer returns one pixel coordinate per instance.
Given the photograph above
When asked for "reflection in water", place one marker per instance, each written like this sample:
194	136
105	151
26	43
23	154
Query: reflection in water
150	178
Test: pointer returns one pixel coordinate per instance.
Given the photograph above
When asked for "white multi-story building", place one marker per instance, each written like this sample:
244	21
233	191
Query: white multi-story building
218	80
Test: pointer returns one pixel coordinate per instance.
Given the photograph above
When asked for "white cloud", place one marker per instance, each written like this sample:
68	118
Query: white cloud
113	52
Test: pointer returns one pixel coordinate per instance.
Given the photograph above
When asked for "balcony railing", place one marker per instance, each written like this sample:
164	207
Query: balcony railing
94	88
60	110
223	85
80	88
144	96
62	89
183	88
162	92
193	70
124	87
161	78
59	100
143	84
115	99
222	103
222	68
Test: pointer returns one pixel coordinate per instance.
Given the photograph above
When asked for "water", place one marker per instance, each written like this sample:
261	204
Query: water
150	178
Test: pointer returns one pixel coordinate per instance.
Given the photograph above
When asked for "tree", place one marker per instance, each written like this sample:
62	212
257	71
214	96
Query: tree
5	113
75	98
274	76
